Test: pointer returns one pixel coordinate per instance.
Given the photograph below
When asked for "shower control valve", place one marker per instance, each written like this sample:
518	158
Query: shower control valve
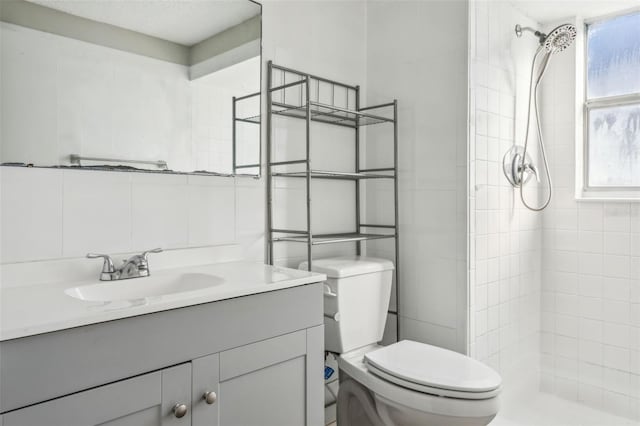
517	170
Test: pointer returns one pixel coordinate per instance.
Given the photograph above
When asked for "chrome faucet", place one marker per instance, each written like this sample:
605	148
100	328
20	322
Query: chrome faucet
135	267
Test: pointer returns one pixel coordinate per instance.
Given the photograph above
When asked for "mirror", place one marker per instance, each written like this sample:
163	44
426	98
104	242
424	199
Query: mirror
169	87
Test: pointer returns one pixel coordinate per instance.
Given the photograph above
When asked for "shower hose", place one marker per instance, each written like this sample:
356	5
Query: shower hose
533	93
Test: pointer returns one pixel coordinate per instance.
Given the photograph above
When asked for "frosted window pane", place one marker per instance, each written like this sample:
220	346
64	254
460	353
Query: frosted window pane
614	146
613	57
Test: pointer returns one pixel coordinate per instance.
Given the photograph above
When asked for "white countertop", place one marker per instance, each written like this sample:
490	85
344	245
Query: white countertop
36	309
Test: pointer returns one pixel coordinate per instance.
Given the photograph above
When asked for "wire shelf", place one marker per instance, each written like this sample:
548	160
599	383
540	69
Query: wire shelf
323	174
333	238
328	114
253	119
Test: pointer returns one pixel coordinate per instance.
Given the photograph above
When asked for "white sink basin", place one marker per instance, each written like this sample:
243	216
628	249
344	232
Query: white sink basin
142	288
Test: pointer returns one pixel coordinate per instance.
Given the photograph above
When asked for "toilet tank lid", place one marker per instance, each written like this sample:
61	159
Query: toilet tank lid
348	266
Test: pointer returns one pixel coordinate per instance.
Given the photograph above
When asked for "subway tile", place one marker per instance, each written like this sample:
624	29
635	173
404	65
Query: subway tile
591	307
159	214
591	374
617	217
493	101
31	212
590	218
590	395
616	288
616	311
566	219
591	329
616	266
566	346
617	334
567	325
96	213
590	264
566	388
590	242
616	403
493	318
617	243
567	304
590	352
635	244
616	357
211	212
566	240
617	381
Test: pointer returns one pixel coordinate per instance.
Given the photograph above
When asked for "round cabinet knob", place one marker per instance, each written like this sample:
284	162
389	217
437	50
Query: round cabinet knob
179	410
210	397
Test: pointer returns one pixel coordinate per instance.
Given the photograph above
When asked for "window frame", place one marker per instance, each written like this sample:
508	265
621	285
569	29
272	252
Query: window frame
584	190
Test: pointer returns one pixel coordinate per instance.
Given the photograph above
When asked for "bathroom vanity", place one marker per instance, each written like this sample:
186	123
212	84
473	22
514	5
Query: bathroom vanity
247	350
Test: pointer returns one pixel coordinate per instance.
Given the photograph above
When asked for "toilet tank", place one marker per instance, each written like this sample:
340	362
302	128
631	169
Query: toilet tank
356	300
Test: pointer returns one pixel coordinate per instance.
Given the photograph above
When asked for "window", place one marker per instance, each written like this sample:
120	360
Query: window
612	105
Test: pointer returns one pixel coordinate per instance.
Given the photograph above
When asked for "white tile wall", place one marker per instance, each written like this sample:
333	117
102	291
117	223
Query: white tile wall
96	212
504	238
31	214
54	214
429	81
589	277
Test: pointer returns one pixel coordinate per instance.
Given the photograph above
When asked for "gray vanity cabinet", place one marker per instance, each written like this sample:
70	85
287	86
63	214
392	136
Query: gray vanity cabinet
259	384
271	382
145	400
259	360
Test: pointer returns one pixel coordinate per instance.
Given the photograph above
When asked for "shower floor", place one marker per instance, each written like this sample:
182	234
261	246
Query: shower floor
543	409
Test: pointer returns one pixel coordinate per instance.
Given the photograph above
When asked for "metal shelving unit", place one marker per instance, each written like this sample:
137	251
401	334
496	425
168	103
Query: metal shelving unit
306	106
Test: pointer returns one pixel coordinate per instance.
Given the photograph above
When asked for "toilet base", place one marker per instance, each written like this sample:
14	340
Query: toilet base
358	406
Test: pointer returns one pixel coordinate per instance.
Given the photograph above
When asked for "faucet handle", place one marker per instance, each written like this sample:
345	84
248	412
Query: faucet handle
108	268
533	169
145	254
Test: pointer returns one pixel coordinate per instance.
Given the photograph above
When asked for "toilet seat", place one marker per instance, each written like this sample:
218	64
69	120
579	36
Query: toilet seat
432	390
352	363
433	370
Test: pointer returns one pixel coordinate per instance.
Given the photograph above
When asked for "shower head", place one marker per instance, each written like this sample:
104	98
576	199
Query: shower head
559	39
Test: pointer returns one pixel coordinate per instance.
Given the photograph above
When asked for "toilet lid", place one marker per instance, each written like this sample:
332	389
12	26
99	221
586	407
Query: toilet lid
431	366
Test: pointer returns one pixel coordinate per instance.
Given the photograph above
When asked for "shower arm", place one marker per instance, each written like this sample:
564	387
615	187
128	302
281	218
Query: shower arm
541	36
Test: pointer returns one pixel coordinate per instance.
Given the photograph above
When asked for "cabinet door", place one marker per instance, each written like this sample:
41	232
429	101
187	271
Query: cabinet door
275	382
145	400
206	378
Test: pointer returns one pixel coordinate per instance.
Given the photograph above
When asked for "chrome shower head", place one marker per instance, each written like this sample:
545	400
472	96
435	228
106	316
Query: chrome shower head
560	38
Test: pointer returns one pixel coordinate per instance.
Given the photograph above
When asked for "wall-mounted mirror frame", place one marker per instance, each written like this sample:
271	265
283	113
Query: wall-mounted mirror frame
57	122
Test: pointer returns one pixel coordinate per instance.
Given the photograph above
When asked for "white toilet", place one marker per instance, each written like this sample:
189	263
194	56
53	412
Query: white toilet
406	383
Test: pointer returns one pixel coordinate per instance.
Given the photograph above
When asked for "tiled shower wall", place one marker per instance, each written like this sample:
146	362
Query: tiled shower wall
504	237
591	272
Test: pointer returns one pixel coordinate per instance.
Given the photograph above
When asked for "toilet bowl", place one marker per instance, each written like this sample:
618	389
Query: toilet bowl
449	388
406	383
